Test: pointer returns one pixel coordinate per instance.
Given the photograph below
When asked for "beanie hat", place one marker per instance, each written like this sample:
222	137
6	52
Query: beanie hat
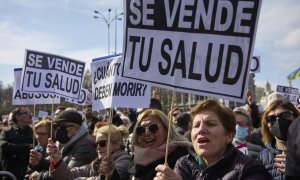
69	116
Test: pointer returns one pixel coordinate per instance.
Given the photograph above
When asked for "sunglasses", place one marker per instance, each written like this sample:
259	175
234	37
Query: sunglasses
23	113
63	127
153	128
101	143
41	133
284	115
175	114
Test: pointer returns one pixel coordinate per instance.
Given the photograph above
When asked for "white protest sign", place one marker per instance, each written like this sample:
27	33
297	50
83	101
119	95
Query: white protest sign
200	47
255	64
110	89
290	93
85	97
42	114
20	97
48	73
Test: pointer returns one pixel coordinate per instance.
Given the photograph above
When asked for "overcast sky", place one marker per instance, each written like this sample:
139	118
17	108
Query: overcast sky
67	28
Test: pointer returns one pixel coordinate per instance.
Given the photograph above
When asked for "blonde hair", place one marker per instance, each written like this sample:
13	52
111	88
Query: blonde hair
44	123
174	136
267	136
117	133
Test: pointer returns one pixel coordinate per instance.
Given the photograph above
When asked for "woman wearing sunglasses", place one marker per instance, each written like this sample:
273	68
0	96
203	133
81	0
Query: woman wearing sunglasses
114	165
149	145
276	120
215	157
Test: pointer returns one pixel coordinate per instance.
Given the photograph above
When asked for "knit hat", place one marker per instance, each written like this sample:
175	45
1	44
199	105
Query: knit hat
69	116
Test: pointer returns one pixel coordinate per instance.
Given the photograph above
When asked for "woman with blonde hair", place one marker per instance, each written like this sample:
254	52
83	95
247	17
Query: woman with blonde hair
38	160
149	144
115	165
276	121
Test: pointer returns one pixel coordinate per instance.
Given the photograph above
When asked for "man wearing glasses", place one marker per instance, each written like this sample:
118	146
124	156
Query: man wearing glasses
16	142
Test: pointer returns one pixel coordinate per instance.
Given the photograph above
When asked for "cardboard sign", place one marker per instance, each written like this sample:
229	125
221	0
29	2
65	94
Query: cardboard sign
110	89
290	93
48	73
200	47
20	97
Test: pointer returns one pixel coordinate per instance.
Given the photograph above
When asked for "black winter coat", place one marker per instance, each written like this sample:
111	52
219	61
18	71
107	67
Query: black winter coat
233	165
293	151
15	145
148	172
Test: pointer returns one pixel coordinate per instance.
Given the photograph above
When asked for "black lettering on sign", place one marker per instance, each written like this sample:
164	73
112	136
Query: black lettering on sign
129	89
254	64
62	83
35	77
215	77
238	52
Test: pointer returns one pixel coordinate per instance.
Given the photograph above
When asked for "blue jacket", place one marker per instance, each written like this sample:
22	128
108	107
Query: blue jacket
267	156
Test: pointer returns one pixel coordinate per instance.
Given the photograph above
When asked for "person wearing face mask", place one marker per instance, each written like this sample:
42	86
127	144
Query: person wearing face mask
73	136
276	121
243	131
114	165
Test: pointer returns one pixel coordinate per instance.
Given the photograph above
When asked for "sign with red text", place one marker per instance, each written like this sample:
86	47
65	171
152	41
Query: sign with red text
48	73
199	47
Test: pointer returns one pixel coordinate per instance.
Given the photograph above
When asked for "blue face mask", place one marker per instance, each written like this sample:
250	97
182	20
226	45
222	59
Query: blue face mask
241	132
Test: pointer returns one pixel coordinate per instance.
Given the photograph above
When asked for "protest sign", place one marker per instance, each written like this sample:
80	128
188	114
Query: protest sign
42	114
200	47
48	73
255	64
110	89
85	97
290	93
20	97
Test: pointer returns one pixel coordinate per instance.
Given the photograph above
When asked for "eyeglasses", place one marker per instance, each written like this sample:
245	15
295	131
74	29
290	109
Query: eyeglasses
23	113
101	143
153	128
175	114
284	115
41	133
242	124
64	127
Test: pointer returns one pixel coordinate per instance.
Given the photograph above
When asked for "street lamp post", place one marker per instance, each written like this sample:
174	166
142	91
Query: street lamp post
108	21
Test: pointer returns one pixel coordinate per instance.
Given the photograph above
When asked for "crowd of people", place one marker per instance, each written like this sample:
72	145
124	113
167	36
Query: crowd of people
210	141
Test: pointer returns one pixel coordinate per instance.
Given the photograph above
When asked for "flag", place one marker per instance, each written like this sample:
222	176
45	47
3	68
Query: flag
294	74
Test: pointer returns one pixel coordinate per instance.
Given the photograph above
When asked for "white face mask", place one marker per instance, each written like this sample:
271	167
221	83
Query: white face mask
241	132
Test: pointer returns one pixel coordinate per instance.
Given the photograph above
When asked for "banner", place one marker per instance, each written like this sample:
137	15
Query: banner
200	47
48	73
110	89
20	97
85	97
291	94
